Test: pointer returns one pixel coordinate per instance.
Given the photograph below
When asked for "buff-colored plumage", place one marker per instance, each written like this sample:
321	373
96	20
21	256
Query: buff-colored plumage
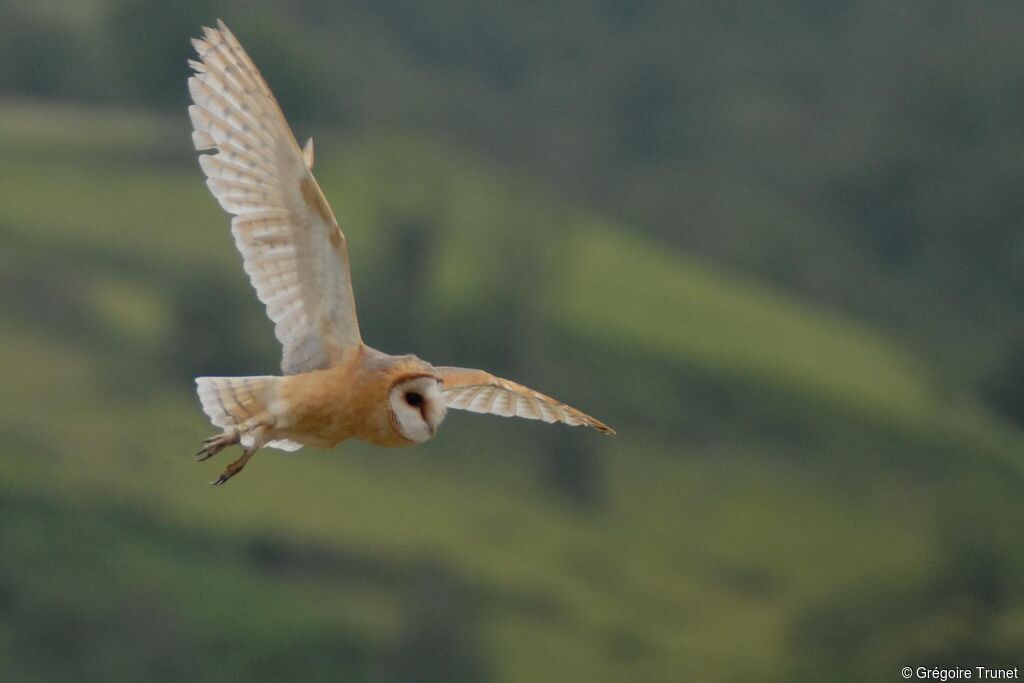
334	386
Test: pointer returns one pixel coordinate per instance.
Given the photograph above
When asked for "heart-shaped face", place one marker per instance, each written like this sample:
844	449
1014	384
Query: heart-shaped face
417	406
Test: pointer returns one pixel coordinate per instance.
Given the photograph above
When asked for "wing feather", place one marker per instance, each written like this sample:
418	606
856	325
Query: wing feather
481	392
292	248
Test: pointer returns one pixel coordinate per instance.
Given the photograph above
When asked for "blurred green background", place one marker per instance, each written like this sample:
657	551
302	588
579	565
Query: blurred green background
777	246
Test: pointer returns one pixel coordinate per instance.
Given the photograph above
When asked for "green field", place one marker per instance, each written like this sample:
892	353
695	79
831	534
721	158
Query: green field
791	491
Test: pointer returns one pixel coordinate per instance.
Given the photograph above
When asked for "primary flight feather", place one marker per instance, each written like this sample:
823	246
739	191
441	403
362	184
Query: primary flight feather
334	387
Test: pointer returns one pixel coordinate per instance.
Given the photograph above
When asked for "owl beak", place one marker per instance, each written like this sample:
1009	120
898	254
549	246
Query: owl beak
430	425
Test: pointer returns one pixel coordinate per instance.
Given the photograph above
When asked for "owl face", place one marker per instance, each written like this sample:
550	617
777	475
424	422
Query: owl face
417	407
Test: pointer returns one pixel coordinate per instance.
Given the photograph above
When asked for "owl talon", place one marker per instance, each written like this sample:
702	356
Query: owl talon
234	468
216	443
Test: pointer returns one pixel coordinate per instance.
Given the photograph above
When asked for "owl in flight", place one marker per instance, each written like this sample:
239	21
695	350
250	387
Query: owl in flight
334	386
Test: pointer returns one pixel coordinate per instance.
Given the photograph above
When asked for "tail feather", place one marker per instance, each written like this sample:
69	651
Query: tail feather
233	401
242	403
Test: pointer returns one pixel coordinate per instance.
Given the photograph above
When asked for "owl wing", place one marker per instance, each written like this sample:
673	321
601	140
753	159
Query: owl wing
481	392
292	248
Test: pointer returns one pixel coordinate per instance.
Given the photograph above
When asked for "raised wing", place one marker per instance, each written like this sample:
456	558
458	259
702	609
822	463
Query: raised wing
481	392
292	248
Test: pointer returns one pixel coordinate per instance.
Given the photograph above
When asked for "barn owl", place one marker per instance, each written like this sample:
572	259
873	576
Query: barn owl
333	387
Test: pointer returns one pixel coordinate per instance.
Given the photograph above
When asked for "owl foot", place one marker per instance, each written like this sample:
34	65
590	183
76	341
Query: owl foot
234	468
215	444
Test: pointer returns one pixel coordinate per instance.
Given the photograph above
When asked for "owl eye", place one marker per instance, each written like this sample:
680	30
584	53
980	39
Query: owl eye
413	398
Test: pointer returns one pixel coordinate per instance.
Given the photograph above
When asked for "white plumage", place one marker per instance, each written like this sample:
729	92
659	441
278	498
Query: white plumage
481	392
293	251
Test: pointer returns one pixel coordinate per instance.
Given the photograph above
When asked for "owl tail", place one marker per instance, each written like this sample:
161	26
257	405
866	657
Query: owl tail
235	401
240	403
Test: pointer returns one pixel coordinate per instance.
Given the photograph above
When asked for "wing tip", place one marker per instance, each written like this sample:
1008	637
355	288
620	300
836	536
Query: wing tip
599	426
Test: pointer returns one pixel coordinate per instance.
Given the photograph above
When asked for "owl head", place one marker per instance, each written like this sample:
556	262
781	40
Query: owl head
417	406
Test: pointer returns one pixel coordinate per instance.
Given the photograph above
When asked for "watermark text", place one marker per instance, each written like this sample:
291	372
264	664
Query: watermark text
978	673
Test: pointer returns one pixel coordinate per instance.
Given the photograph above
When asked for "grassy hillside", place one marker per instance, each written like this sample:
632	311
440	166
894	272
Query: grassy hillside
785	481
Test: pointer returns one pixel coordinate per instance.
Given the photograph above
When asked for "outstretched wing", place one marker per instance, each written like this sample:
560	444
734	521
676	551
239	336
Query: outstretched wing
292	248
481	392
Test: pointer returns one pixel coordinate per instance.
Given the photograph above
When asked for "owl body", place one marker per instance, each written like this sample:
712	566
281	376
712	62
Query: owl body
333	387
350	400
